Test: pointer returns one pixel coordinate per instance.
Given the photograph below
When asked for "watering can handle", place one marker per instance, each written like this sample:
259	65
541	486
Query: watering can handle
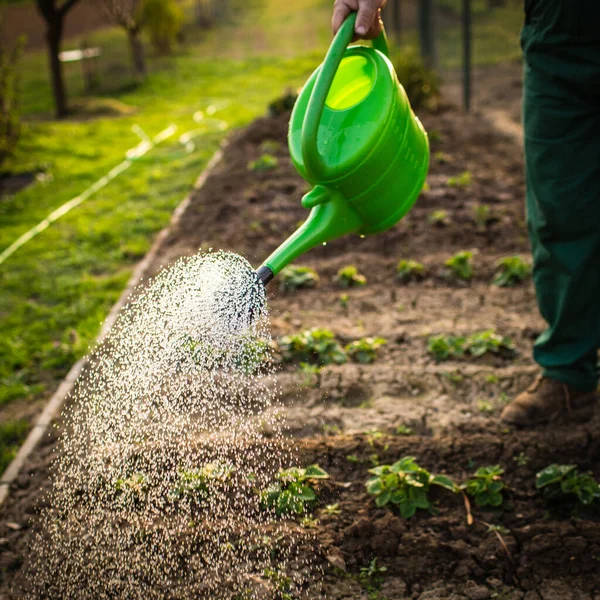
313	163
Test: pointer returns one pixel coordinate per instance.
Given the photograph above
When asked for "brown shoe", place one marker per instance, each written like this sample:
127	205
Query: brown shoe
548	400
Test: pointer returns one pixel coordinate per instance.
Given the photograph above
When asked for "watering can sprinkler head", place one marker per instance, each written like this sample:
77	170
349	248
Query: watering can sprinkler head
354	137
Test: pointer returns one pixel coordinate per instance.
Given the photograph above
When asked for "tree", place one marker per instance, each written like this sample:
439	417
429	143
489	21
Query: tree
10	126
127	14
54	13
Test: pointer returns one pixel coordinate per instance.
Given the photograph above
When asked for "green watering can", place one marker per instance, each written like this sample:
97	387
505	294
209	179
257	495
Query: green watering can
354	137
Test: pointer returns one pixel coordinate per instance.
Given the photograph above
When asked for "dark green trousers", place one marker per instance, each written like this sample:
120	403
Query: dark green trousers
561	114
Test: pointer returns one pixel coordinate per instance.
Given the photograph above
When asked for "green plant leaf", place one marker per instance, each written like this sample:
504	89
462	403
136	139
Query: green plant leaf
444	481
552	474
407	508
383	498
315	472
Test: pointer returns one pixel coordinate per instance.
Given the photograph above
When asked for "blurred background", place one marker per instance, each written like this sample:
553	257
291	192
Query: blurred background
110	109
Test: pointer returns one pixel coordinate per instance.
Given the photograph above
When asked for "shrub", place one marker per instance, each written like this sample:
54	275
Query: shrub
486	486
364	350
293	278
410	270
265	162
460	265
511	271
421	83
350	277
294	490
10	124
163	20
316	346
405	484
559	482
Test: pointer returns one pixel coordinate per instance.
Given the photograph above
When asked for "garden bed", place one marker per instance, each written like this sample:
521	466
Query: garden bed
351	416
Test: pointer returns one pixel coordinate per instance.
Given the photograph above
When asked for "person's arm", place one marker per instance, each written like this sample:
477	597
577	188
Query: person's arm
368	19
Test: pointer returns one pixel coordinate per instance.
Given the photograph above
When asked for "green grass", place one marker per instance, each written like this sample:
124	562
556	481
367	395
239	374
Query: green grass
57	289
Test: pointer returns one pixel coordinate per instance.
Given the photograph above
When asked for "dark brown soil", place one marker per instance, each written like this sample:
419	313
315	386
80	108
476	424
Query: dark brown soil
353	410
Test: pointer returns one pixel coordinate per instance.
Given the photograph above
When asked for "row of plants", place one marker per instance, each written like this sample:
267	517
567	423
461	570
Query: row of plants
405	486
508	272
319	347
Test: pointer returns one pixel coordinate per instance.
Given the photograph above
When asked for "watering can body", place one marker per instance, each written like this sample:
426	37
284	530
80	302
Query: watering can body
354	137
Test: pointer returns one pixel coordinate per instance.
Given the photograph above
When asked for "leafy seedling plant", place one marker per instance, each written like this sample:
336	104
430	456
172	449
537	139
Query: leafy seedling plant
265	162
313	346
439	218
405	485
512	270
294	278
459	266
486	486
199	484
462	181
410	270
365	350
482	215
477	344
350	277
566	483
294	490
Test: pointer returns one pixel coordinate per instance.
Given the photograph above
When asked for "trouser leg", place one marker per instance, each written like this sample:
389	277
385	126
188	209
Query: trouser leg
562	148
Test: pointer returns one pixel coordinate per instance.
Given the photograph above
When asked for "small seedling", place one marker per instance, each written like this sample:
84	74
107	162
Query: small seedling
460	266
266	162
445	347
365	350
372	573
332	509
281	582
483	342
405	484
133	486
486	486
559	482
309	523
454	377
521	459
410	270
512	270
492	378
482	215
294	490
352	458
404	430
199	483
485	406
442	158
310	372
350	277
439	218
293	278
344	300
314	346
463	180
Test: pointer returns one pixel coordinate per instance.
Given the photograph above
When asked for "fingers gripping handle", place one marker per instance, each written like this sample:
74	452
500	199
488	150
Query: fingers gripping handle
313	163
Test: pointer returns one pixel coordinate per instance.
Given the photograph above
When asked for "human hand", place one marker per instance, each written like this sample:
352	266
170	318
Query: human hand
368	20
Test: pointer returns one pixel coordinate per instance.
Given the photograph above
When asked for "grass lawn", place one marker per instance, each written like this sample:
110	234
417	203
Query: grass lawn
57	289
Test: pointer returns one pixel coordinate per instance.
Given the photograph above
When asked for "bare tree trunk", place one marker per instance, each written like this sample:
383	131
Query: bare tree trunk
136	49
53	36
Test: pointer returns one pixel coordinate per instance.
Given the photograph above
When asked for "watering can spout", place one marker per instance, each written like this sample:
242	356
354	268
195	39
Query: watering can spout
331	217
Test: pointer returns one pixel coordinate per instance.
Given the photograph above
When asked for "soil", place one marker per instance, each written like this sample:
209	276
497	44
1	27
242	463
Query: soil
346	417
